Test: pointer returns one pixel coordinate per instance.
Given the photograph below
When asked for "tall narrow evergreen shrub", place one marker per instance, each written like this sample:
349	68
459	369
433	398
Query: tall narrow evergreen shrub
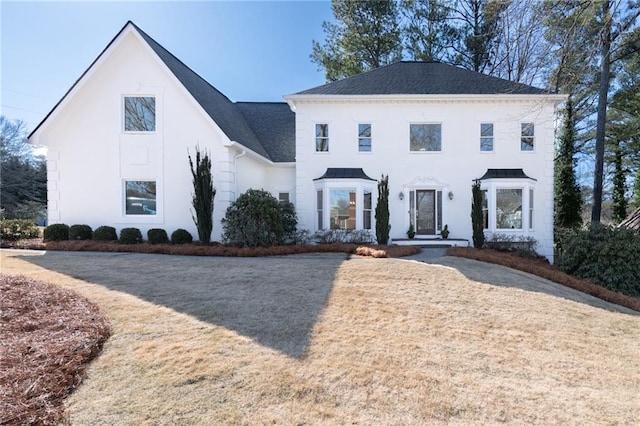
477	220
203	194
567	195
382	211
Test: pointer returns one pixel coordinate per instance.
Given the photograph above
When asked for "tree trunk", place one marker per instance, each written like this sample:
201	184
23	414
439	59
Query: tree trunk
602	113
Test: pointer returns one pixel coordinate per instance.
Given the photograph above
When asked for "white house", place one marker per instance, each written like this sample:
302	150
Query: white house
118	143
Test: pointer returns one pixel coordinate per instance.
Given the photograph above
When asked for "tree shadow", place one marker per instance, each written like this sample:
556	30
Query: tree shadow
275	301
506	277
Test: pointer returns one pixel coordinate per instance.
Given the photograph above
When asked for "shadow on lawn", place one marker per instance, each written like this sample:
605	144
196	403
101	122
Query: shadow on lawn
275	301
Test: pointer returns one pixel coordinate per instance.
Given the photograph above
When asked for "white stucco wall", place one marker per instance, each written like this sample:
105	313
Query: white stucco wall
453	169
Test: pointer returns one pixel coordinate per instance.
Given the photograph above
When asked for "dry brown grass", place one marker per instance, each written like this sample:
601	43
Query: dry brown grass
47	336
542	268
393	342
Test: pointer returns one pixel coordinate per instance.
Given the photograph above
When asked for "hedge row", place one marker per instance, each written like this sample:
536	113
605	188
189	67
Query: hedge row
18	229
63	232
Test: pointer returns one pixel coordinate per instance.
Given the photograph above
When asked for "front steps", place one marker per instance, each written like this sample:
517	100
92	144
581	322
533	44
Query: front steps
434	242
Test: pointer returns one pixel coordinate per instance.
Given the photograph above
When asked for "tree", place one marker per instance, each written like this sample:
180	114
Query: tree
365	36
23	176
619	188
382	211
477	218
203	195
429	32
568	198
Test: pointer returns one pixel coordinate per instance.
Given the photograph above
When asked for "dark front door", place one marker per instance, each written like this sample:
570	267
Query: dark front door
426	212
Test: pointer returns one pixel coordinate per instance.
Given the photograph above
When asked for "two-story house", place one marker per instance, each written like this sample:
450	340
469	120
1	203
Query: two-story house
118	144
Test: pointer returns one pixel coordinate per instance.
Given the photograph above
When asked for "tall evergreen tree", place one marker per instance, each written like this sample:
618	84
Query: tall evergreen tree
477	218
619	187
365	36
429	32
568	198
203	195
382	211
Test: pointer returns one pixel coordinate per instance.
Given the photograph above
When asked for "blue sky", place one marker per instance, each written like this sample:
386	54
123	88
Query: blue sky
251	51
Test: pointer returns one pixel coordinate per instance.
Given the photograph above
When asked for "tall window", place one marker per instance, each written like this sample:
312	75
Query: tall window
425	137
486	137
485	209
531	209
342	203
322	137
139	114
364	137
526	136
140	197
366	210
319	200
509	208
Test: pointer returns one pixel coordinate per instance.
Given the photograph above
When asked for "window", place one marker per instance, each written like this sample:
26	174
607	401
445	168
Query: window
319	199
364	137
425	137
283	197
485	209
139	114
140	197
322	138
526	136
508	208
343	209
486	137
366	210
531	209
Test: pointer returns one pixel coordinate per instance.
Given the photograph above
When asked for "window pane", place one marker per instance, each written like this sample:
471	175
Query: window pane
412	207
322	137
283	197
343	209
509	208
140	197
485	209
366	210
139	114
527	137
364	137
531	209
319	208
486	137
439	209
425	137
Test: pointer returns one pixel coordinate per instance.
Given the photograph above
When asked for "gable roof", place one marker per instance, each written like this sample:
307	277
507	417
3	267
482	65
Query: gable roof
632	221
229	117
422	78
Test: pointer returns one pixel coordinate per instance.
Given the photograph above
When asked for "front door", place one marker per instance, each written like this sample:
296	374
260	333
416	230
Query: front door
426	212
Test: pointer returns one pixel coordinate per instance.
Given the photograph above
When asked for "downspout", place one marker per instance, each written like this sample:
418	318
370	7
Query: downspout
235	173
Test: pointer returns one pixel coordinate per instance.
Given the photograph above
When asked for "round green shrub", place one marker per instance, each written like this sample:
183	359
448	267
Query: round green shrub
80	232
181	236
157	236
257	218
105	233
56	232
605	255
18	229
130	236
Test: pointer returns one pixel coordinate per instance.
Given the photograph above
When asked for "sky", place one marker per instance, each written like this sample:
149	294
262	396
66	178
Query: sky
249	50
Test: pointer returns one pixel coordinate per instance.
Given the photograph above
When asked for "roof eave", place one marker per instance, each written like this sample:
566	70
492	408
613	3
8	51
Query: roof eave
293	98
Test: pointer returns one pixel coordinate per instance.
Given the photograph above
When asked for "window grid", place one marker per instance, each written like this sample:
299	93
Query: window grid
486	137
364	137
322	138
527	136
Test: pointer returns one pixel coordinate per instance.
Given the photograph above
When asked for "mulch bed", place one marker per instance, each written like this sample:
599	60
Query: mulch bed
47	336
542	268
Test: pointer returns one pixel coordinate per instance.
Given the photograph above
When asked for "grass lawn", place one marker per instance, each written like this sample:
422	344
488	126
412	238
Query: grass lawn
319	339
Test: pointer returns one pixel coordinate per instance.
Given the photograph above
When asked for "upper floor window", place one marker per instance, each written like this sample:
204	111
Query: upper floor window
322	138
526	136
364	137
486	137
425	137
139	114
140	197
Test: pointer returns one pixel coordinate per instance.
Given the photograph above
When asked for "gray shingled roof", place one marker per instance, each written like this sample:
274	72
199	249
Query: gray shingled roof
422	78
344	173
275	126
223	112
505	174
632	221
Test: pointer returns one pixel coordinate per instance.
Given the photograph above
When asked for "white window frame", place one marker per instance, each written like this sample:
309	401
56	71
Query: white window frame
361	138
492	137
356	185
427	123
142	218
528	212
316	137
532	137
123	113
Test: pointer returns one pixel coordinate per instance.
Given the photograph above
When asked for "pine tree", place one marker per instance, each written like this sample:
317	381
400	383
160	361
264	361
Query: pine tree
568	198
203	195
619	187
382	211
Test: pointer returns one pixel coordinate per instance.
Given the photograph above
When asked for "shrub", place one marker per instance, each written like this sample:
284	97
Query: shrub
80	232
355	236
157	236
18	229
56	232
257	218
203	195
181	236
605	255
515	243
105	233
130	236
382	211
